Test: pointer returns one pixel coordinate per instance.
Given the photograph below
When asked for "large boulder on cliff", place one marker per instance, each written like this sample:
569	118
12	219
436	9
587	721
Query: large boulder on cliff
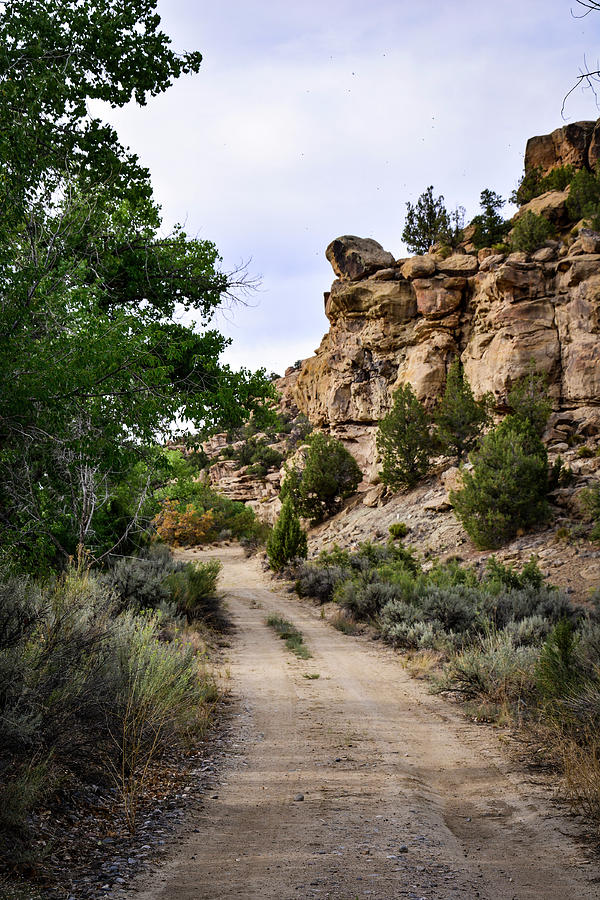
552	206
566	146
354	258
371	298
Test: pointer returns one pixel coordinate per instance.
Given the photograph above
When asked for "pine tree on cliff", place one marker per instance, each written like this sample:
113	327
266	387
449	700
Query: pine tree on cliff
287	539
429	222
459	416
404	440
330	475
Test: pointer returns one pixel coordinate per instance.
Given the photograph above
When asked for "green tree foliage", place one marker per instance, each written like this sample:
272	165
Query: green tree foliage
94	359
458	416
530	232
507	487
429	222
534	183
287	540
584	197
490	227
590	498
404	441
330	474
187	510
257	454
528	400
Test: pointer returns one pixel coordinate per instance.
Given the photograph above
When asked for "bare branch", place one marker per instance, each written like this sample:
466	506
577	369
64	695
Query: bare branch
587	80
588	5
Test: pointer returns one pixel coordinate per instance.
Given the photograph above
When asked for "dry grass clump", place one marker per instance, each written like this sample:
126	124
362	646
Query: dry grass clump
341	621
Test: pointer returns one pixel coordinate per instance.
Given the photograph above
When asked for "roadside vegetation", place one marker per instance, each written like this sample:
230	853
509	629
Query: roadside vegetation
101	676
505	643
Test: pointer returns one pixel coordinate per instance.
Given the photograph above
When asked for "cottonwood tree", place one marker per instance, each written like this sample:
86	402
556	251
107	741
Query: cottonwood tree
95	361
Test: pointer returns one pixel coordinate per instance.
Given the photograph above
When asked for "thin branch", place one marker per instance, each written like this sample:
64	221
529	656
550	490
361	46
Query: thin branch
588	5
587	78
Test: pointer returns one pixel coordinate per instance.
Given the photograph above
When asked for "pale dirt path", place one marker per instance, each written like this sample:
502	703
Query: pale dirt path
381	764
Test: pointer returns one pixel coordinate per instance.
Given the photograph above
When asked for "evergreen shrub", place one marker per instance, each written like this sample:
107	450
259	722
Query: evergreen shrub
330	475
429	222
287	540
458	416
584	197
404	441
490	227
507	487
530	232
534	183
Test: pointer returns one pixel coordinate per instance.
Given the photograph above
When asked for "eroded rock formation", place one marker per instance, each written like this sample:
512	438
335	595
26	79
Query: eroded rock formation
405	323
394	321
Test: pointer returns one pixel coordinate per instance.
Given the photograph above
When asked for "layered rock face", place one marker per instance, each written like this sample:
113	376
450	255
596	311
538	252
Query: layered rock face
576	144
404	321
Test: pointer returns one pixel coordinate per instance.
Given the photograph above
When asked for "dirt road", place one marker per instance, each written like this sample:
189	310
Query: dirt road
402	797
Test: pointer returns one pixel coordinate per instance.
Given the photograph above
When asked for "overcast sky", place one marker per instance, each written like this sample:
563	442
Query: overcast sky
316	119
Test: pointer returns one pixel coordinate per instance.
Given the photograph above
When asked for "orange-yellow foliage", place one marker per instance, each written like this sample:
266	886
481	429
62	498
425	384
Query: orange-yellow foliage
179	526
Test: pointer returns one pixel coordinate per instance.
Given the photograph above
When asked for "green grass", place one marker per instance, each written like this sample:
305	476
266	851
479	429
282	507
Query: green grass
291	635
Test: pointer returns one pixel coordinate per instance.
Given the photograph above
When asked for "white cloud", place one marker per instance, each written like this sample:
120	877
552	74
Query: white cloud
309	121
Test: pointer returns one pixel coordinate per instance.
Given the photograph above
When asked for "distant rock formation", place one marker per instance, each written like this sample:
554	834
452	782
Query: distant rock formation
396	321
576	144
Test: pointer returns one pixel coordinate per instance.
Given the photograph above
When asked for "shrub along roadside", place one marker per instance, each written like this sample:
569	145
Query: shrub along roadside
287	540
507	488
154	580
512	647
92	691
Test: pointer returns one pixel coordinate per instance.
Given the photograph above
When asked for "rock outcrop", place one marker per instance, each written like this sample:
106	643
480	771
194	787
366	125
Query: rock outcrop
576	144
406	321
236	483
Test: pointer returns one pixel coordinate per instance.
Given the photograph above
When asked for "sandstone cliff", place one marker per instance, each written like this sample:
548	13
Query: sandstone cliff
404	320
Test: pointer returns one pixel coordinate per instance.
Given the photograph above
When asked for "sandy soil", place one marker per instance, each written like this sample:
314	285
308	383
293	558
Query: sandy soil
402	797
